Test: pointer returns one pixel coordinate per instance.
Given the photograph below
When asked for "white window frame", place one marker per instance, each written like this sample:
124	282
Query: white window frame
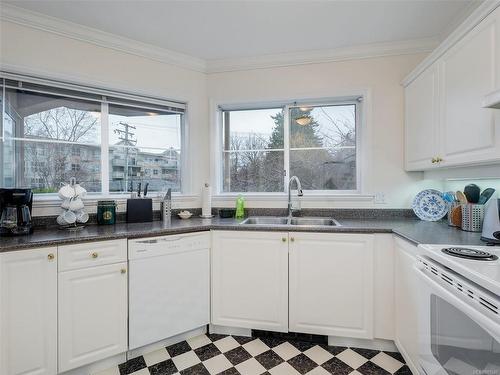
217	165
52	198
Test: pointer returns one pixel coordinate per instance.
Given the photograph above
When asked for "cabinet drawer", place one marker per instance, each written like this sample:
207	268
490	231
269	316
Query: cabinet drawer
91	254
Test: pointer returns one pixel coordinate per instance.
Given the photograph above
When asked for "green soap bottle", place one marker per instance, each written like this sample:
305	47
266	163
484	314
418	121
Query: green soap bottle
240	207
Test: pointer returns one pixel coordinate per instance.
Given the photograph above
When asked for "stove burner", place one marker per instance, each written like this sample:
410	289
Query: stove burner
473	254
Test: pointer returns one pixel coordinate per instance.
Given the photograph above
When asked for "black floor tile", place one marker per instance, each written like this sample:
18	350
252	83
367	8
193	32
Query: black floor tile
230	371
396	355
370	368
367	353
198	369
405	370
207	351
163	368
178	349
237	355
132	365
303	345
334	350
272	341
302	363
337	367
215	336
243	339
269	359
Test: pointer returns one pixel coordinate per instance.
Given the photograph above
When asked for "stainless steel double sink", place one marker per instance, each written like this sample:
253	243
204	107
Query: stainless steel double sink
298	221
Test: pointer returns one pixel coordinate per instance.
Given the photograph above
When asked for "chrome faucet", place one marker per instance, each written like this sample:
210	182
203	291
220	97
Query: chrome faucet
299	193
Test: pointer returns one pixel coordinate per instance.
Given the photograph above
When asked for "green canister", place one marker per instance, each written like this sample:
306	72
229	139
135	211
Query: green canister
106	212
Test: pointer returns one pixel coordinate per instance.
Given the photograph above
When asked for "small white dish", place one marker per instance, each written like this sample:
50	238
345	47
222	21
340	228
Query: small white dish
184	214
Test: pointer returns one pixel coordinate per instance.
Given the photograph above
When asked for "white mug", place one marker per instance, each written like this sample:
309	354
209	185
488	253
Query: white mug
68	217
65	204
76	204
66	192
82	216
80	192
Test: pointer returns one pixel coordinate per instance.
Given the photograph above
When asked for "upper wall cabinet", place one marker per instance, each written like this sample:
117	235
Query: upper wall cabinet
446	124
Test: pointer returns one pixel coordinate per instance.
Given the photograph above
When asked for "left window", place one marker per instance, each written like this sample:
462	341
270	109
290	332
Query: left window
108	141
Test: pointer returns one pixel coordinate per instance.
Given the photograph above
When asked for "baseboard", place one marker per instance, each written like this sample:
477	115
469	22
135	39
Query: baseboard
375	344
98	366
224	330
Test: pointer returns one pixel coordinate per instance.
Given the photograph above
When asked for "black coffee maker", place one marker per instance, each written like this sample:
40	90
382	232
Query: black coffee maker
15	209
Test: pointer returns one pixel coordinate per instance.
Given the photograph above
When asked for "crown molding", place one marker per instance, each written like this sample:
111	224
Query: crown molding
323	56
100	38
479	14
79	32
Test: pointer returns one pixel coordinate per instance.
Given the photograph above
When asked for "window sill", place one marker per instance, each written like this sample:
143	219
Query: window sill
309	199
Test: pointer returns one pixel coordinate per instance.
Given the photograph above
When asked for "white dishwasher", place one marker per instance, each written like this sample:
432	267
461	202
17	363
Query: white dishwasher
169	286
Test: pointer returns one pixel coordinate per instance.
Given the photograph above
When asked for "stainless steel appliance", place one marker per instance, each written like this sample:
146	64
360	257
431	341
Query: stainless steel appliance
459	309
491	221
15	208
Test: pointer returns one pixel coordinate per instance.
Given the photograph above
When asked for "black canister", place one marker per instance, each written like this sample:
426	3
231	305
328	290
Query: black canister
106	212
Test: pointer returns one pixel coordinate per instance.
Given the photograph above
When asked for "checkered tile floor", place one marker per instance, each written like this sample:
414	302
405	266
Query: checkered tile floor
232	355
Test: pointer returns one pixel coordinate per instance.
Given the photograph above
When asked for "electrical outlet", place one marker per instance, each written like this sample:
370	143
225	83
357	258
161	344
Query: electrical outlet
379	198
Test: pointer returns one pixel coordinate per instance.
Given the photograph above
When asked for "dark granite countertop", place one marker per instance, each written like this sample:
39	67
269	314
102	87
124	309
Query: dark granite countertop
415	231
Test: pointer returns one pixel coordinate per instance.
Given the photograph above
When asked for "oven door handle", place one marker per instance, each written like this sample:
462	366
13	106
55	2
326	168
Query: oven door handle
492	327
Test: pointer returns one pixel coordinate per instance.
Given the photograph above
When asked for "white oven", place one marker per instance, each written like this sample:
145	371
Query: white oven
459	323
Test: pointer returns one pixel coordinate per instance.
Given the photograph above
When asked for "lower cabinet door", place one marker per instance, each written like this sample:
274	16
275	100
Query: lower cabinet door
250	280
92	314
28	312
331	284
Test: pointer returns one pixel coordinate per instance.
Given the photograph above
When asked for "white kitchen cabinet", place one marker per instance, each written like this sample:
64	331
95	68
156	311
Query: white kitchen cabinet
92	314
445	123
470	133
28	312
331	284
421	118
406	305
250	280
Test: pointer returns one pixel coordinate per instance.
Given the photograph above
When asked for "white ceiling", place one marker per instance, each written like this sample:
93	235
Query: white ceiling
235	29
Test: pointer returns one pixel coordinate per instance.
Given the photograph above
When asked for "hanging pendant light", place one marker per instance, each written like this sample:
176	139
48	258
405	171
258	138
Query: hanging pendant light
303	120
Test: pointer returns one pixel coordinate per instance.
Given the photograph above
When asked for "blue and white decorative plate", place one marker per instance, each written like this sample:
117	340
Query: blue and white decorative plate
429	205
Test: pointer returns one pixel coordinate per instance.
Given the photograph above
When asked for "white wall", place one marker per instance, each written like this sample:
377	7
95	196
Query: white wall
47	54
382	164
42	53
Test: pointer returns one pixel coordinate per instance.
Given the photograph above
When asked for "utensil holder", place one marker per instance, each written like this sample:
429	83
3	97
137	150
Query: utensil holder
472	217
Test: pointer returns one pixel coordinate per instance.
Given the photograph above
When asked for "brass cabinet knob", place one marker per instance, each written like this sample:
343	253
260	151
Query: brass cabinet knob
292	239
283	239
95	255
51	256
123	270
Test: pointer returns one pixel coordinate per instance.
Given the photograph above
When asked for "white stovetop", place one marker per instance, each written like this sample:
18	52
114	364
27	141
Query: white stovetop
483	273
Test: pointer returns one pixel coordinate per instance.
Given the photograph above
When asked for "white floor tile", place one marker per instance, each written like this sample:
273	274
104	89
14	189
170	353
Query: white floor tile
286	350
318	354
185	360
226	344
110	371
198	341
250	367
387	362
157	356
143	371
355	372
255	347
283	369
318	371
351	358
217	364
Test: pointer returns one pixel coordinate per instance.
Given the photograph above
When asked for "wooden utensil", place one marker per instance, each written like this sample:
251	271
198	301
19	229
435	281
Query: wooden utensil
456	216
462	199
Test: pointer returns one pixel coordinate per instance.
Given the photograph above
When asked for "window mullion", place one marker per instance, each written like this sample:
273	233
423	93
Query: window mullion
105	148
286	146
